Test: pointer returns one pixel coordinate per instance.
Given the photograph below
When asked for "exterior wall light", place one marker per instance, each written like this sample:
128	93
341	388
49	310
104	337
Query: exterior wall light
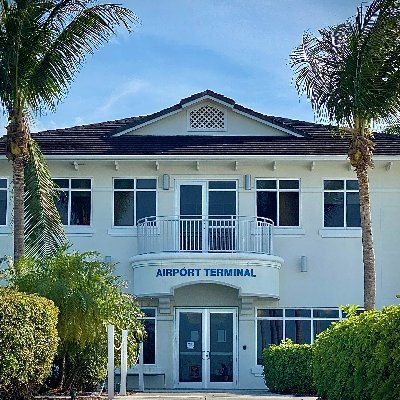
165	182
247	182
303	264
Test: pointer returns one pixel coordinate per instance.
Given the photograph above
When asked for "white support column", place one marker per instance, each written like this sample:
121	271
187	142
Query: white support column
124	362
141	374
110	364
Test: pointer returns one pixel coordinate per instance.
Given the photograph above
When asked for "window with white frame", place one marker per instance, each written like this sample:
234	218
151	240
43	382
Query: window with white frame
134	199
341	203
222	198
3	201
149	344
301	325
279	200
75	200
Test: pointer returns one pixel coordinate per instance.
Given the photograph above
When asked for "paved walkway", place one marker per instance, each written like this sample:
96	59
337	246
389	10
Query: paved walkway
230	395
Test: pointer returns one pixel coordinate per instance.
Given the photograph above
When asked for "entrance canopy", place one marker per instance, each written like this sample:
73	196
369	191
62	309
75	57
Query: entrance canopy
160	274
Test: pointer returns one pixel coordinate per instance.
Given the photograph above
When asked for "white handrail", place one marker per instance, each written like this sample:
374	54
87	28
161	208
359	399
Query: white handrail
227	234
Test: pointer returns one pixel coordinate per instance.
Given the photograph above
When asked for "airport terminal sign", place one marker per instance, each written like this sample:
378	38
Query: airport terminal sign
204	272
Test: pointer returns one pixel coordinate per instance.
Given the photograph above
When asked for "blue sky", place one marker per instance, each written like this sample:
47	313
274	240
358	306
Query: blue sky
239	48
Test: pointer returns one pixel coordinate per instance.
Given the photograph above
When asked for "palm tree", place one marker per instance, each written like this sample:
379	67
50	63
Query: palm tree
43	44
351	75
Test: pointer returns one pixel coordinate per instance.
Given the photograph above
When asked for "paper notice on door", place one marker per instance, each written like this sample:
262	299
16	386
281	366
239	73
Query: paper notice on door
190	345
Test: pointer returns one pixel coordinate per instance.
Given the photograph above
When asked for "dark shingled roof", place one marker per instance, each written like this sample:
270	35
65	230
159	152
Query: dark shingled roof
99	139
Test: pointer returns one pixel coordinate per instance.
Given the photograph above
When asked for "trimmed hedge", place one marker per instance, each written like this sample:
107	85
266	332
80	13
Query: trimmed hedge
28	342
359	358
288	368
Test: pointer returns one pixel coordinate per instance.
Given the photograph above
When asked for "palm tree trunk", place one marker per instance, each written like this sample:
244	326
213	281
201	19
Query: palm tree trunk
19	194
367	240
17	152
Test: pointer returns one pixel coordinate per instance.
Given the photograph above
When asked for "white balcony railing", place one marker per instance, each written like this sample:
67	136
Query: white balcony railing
226	234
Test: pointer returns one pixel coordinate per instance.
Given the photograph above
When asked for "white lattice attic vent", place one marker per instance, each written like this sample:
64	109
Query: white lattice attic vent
206	118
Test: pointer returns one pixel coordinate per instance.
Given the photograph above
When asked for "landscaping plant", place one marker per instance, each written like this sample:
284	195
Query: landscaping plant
89	297
28	342
288	368
359	358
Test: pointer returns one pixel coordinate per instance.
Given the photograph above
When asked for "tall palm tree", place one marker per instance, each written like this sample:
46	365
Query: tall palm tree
43	44
351	75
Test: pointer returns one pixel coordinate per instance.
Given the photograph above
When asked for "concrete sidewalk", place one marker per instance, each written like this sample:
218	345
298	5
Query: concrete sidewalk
229	395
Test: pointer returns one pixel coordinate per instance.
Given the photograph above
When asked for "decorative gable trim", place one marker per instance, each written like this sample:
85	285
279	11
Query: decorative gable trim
206	118
270	124
210	97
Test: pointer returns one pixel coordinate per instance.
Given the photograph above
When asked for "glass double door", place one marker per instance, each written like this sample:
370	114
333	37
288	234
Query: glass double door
207	215
206	348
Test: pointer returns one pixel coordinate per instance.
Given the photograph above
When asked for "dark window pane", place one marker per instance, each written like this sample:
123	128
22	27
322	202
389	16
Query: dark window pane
3	206
222	203
81	184
146	184
124	183
149	312
191	200
3	183
80	208
334	184
270	312
222	185
145	204
149	344
62	183
123	209
352	185
334	209
298	331
62	206
298	312
266	184
289	184
267	205
353	218
321	325
268	332
326	313
289	209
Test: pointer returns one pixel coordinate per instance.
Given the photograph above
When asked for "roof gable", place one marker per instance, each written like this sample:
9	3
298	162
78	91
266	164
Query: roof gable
208	113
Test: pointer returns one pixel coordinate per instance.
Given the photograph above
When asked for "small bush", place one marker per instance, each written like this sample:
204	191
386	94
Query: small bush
86	366
28	342
359	358
287	368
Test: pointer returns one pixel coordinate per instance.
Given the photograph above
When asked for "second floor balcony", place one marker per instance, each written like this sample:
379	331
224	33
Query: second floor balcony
205	234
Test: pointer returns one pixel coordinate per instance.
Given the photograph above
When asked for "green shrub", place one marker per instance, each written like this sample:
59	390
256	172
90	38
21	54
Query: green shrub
86	366
28	342
89	297
287	368
359	358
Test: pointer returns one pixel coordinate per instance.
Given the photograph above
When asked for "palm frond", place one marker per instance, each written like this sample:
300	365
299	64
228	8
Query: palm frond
70	32
352	70
44	232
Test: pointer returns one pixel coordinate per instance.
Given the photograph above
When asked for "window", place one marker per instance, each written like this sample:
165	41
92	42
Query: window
3	201
149	344
221	198
133	199
279	200
341	203
301	325
75	200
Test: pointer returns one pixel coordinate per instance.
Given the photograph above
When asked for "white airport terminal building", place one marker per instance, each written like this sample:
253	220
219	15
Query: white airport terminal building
233	229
